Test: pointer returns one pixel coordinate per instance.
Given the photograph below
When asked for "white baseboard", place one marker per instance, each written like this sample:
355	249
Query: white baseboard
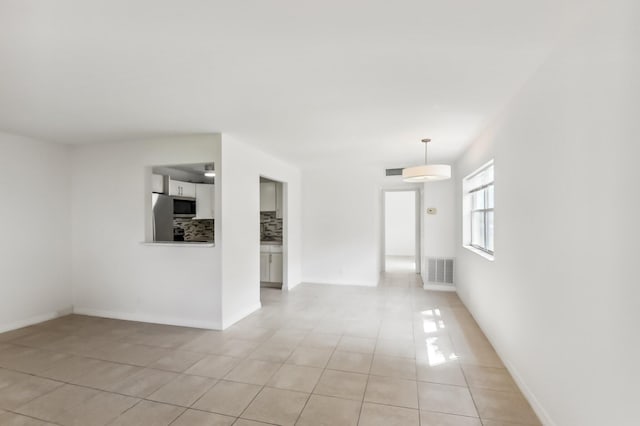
439	287
129	316
291	287
241	315
537	407
34	320
528	394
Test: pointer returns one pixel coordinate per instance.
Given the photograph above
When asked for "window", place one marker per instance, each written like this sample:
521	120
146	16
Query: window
478	217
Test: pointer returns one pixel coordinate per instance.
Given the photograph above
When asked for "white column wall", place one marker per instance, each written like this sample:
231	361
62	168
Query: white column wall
114	274
242	166
35	248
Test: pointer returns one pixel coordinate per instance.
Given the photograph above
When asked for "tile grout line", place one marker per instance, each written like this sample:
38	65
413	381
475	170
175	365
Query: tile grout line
366	386
226	374
316	385
146	398
139	398
464	375
31	417
259	342
415	348
138	403
267	381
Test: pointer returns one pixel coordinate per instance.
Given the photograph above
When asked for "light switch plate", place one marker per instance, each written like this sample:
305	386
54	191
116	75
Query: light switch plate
432	210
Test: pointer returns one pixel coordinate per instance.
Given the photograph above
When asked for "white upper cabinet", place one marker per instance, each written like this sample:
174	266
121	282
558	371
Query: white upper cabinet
205	195
173	187
157	184
182	189
271	198
267	196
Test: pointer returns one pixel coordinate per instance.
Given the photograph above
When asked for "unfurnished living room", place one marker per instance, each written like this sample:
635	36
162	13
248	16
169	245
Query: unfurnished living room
329	213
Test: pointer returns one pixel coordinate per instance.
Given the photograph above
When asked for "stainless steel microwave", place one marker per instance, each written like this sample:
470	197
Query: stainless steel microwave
184	207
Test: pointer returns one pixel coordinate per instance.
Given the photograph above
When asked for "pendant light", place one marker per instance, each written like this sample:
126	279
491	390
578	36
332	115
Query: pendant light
426	172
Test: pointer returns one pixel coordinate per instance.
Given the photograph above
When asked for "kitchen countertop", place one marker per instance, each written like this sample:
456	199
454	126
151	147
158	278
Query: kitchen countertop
271	248
270	243
178	244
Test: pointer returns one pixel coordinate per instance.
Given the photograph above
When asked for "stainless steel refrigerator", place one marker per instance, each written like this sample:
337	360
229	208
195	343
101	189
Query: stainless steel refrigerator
162	217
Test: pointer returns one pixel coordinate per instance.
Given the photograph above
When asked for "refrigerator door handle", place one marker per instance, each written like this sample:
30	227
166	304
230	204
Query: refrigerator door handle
154	198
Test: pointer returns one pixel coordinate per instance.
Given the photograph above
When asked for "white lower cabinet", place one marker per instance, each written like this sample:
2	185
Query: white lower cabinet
275	268
264	266
270	267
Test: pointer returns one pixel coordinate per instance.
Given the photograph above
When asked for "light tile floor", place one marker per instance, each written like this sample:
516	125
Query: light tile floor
400	263
318	355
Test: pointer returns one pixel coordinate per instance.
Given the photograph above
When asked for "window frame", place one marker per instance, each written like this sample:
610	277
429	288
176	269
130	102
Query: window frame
470	210
484	211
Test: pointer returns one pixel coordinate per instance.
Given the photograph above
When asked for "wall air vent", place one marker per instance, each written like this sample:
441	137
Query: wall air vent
440	270
394	172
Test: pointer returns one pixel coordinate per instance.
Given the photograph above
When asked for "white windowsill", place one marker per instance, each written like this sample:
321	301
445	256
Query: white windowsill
486	255
177	244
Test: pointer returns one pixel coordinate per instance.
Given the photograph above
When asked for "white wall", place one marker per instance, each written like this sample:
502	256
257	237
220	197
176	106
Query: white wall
114	275
35	248
88	242
440	228
400	223
241	168
560	301
342	211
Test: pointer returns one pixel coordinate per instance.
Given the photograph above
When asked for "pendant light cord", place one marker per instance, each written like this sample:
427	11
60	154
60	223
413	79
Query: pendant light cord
426	145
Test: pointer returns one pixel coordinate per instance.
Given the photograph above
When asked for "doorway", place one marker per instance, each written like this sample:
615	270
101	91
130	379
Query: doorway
272	235
401	231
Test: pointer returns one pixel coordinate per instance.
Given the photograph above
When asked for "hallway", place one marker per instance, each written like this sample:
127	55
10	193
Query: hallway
400	264
318	355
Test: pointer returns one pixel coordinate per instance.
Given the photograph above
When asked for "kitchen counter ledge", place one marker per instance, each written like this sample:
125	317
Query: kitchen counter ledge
177	244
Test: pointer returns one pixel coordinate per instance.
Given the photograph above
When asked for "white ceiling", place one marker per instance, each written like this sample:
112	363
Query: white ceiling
311	81
188	172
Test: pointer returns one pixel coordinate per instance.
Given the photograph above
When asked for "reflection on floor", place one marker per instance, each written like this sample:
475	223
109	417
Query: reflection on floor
400	263
317	355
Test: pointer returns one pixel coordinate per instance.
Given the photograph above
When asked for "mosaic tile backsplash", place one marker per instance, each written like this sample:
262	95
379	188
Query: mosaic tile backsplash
193	230
270	227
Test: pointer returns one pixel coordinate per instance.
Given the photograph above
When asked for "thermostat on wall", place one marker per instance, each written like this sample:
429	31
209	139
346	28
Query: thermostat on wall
432	210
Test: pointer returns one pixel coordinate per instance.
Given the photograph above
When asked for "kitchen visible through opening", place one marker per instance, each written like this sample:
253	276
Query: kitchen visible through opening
271	233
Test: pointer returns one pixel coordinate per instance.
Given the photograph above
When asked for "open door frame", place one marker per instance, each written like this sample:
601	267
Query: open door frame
285	229
418	227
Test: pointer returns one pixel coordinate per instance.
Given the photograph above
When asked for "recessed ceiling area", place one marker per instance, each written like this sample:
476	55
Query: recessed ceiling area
194	173
310	82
